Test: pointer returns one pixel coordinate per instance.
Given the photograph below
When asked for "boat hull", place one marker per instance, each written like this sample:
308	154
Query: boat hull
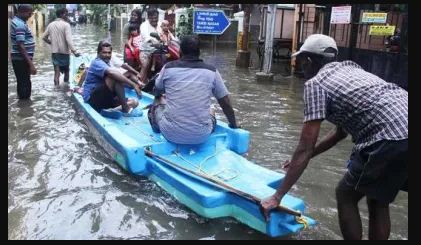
220	157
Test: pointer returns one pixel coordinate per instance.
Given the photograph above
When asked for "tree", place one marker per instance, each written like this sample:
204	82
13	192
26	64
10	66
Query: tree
39	7
98	10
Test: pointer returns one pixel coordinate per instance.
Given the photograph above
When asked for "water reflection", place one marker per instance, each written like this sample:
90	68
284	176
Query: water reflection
63	185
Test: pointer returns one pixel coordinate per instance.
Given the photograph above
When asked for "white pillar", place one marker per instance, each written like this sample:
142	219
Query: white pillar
270	27
109	16
127	12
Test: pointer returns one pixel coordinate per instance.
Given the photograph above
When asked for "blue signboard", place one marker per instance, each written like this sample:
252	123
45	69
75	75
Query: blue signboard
210	21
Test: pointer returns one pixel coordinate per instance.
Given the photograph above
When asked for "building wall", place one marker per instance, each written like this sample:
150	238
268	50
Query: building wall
365	41
40	22
284	23
309	21
341	32
370	51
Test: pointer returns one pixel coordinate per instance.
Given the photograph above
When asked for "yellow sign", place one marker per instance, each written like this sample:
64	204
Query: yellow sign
371	17
382	30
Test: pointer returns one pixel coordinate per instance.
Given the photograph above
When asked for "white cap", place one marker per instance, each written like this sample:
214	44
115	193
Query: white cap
317	44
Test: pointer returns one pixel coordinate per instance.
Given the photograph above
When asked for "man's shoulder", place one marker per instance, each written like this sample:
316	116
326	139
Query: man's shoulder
65	23
60	22
98	62
310	82
18	22
208	66
190	64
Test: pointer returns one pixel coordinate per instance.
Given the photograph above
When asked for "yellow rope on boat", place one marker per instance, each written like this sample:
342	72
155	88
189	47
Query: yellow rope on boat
301	220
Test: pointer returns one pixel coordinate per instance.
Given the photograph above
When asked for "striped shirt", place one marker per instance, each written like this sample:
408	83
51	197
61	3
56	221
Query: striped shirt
60	35
189	84
20	32
363	104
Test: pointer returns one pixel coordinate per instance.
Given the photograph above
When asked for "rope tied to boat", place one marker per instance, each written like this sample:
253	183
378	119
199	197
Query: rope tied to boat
302	220
200	169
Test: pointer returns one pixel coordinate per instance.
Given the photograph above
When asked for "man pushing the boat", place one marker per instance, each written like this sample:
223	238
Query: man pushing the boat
375	113
104	84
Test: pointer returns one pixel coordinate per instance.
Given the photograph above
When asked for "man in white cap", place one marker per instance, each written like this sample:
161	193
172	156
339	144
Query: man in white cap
375	113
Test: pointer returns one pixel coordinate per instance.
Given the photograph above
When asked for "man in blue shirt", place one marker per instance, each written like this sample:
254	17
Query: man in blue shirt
104	84
23	47
185	116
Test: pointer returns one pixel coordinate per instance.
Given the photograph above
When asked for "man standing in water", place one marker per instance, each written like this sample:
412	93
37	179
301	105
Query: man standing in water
22	52
375	113
59	35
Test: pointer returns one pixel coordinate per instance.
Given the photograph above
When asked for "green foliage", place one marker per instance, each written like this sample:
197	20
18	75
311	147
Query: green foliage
101	10
39	7
59	6
98	10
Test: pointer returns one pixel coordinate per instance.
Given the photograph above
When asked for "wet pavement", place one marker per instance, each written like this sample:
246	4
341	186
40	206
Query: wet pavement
63	185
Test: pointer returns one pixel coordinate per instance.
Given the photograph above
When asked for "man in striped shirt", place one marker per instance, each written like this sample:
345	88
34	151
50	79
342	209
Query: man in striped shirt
185	116
59	35
22	52
375	113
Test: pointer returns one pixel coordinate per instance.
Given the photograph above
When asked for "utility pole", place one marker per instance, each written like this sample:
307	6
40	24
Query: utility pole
243	55
297	34
266	75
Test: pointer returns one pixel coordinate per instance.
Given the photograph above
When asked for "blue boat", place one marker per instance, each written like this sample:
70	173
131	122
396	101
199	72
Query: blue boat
213	178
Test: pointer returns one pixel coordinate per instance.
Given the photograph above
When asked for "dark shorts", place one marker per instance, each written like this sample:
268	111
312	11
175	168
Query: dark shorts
61	60
155	115
103	98
378	171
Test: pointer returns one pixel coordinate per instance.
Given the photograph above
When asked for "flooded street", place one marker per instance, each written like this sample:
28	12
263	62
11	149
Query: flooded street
63	185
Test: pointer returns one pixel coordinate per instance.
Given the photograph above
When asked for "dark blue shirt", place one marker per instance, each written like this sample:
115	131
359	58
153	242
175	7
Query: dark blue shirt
95	77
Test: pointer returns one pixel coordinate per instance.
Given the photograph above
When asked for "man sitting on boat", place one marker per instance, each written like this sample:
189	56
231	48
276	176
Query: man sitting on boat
185	116
104	84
